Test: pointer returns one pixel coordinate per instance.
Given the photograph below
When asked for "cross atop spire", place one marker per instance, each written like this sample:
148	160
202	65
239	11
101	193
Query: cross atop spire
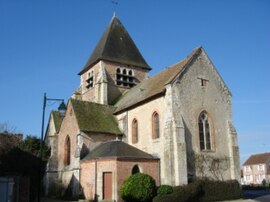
115	3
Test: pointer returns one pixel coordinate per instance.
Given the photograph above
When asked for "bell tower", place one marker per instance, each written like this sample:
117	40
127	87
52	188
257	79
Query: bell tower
115	66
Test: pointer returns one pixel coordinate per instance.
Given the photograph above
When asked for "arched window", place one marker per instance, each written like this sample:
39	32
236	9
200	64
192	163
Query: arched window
135	170
155	126
130	79
118	77
204	132
125	78
90	80
134	131
67	151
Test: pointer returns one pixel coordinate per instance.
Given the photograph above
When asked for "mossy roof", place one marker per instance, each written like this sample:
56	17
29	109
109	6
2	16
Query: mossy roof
117	149
57	119
155	85
116	45
93	117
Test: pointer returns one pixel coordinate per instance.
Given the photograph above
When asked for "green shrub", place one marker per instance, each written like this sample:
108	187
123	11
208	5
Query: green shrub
187	193
221	190
138	188
264	184
164	190
203	191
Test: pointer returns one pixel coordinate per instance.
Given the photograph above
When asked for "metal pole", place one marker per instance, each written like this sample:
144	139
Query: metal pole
41	147
45	99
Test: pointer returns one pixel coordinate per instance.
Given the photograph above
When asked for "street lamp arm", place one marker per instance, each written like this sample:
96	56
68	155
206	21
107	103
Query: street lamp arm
45	99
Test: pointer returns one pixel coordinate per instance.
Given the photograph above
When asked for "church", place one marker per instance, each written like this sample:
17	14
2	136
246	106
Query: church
120	121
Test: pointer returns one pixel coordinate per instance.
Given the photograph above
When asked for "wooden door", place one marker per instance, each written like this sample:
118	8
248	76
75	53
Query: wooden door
107	185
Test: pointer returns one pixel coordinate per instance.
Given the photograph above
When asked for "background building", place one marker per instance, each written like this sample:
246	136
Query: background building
256	169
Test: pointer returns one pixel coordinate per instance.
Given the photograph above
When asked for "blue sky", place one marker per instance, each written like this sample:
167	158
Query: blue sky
45	43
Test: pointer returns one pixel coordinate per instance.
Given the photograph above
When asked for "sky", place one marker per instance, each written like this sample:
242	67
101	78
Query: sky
45	43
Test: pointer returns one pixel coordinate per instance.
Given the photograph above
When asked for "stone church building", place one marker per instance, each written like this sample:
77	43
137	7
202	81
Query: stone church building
120	121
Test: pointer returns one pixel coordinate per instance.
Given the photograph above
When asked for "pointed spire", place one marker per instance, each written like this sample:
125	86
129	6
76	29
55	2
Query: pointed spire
116	45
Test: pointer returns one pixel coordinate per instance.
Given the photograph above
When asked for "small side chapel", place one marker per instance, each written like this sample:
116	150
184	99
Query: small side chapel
120	121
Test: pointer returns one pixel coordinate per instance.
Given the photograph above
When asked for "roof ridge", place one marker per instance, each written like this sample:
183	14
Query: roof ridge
188	60
108	28
89	102
118	149
154	85
257	158
195	50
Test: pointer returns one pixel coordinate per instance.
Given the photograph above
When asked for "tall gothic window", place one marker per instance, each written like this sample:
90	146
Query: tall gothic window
67	151
134	131
155	125
204	132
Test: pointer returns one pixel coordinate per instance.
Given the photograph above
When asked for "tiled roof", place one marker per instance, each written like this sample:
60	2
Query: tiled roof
116	45
93	117
257	159
154	85
57	118
117	149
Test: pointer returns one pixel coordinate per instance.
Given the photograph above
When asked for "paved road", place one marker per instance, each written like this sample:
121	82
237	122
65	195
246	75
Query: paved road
249	196
257	195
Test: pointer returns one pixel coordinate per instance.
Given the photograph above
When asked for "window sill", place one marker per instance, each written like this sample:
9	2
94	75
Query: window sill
208	151
156	140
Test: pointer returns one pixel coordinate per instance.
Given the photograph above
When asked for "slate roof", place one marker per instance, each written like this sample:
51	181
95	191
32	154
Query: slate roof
155	85
257	159
93	117
57	118
116	45
117	149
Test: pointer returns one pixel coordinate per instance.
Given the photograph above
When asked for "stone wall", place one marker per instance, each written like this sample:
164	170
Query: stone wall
190	98
51	175
106	88
146	143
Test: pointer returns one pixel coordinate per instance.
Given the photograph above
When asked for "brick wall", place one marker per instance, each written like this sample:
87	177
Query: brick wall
120	169
69	128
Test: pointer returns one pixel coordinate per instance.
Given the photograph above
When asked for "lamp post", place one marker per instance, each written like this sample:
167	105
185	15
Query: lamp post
62	106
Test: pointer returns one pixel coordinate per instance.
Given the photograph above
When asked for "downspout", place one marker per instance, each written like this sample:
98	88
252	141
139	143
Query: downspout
96	196
159	177
127	126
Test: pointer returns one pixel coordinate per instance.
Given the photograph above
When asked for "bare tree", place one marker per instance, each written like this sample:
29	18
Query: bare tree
211	167
5	127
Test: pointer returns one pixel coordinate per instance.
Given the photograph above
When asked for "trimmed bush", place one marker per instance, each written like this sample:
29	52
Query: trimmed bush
264	184
203	191
164	190
138	188
187	193
221	190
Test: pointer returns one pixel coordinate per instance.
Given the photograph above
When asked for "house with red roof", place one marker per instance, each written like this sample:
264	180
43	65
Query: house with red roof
256	169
